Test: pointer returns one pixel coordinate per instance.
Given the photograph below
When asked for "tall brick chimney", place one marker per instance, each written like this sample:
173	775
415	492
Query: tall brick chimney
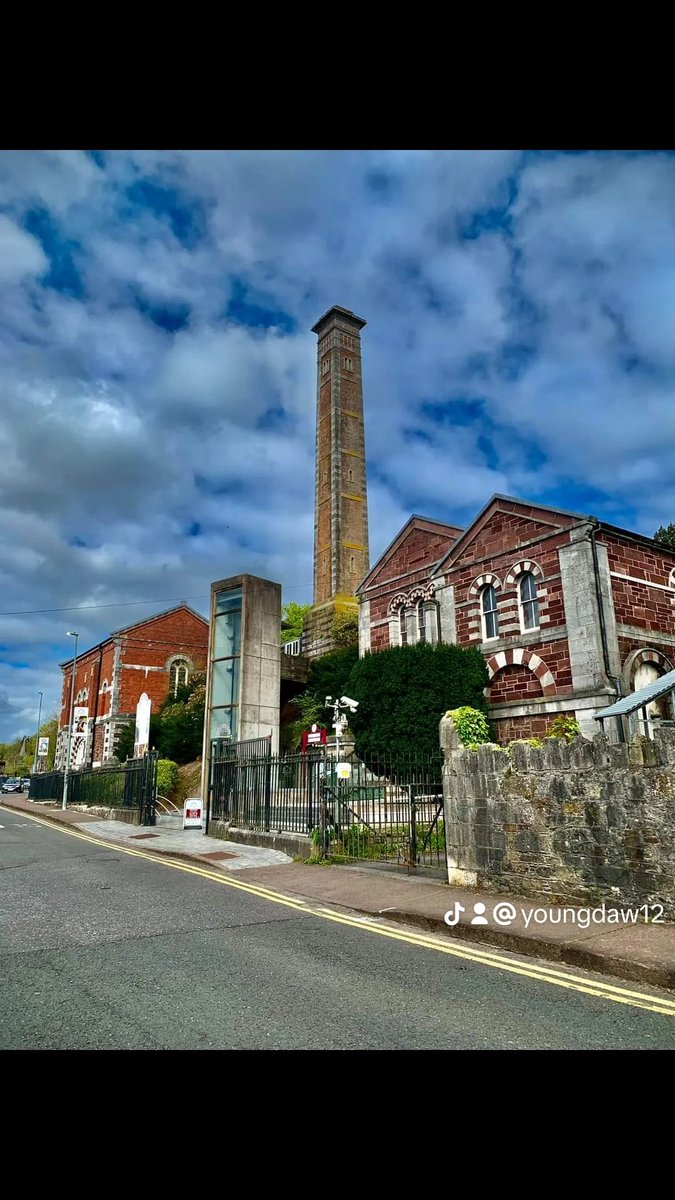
341	504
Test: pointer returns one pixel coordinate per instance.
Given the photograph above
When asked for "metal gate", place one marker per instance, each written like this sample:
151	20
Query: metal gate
390	811
386	811
131	785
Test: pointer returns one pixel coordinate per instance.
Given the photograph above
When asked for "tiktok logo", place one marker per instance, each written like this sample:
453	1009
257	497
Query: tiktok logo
452	916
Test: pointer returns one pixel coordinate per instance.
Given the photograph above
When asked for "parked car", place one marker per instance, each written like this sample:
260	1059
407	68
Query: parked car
25	783
11	785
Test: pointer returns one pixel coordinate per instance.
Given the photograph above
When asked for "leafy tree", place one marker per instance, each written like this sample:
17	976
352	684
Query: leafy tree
327	676
167	776
665	534
345	629
176	730
403	692
293	620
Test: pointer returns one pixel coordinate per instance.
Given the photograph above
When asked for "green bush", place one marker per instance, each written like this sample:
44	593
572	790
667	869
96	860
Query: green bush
167	776
403	693
471	725
564	727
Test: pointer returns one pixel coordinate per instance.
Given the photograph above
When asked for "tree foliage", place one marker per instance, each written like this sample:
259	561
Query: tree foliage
403	692
665	534
328	676
345	629
17	763
293	620
176	730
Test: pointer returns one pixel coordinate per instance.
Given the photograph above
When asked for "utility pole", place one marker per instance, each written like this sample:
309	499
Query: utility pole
37	735
70	722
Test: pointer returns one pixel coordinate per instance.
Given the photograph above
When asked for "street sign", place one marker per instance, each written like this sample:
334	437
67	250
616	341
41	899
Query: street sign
43	747
192	813
316	736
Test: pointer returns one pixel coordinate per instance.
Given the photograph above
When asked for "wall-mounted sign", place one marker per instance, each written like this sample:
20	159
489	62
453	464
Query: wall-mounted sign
316	736
344	770
142	733
79	741
43	747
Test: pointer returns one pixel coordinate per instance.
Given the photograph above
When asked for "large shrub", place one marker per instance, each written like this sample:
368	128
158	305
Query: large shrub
167	776
403	693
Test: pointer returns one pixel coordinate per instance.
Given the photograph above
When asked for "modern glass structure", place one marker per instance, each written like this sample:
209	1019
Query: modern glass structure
226	663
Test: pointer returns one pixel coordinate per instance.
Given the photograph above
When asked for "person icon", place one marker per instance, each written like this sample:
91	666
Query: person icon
479	919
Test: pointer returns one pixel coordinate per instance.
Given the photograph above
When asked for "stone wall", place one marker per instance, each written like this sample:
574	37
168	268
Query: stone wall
588	821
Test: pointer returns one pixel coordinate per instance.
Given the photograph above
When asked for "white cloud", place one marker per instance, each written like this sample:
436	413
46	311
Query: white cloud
520	338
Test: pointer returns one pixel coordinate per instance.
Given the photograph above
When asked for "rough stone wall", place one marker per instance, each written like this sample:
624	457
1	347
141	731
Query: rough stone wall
532	726
589	821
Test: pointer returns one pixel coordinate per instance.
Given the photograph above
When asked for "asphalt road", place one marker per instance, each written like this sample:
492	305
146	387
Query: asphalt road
101	950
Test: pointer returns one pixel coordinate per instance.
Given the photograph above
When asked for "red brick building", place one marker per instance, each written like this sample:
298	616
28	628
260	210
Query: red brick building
569	611
154	656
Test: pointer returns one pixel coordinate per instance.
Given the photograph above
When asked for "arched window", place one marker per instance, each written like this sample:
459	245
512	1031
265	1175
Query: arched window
409	625
428	619
488	601
179	676
529	604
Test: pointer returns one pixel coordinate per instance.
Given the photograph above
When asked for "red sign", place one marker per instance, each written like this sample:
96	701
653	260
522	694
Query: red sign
316	736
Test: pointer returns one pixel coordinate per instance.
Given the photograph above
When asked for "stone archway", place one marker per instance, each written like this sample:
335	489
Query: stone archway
523	658
638	658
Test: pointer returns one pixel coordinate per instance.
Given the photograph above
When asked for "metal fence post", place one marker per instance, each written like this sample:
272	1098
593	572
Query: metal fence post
413	826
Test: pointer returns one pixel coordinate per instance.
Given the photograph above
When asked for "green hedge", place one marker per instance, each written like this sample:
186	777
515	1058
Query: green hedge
403	693
167	776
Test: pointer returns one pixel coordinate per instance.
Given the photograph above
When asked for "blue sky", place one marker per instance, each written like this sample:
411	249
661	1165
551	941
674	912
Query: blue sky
157	369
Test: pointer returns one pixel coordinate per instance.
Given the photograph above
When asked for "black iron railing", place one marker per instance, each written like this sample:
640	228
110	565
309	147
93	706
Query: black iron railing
388	810
129	785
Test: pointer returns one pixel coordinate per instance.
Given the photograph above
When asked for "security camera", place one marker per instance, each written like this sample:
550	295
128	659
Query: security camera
353	704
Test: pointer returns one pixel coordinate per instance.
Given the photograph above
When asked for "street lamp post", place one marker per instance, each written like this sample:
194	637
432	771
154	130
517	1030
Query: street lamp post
66	770
37	735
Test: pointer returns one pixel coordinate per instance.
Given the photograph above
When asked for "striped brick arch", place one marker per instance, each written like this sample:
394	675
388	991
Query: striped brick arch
520	568
637	657
523	658
482	581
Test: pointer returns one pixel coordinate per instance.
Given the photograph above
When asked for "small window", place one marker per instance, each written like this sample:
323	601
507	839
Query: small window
324	565
409	626
325	366
350	474
529	605
428	622
490	614
352	563
179	676
347	364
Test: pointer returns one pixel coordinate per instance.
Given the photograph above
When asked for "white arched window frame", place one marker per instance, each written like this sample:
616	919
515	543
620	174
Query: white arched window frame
408	624
428	622
528	603
104	686
489	613
179	675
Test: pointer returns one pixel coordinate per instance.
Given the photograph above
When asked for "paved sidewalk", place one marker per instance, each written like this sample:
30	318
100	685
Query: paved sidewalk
641	952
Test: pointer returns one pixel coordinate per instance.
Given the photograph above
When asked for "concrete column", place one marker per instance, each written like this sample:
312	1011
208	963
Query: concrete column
364	627
445	595
581	614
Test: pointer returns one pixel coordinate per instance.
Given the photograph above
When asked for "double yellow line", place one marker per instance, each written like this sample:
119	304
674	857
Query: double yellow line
486	958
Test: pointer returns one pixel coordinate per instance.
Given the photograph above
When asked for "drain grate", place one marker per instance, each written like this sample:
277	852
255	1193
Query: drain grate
219	854
140	836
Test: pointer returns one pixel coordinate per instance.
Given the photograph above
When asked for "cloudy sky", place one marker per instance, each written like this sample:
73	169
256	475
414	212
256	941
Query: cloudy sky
157	369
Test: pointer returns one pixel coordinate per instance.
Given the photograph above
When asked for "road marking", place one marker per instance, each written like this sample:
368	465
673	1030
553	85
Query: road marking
487	958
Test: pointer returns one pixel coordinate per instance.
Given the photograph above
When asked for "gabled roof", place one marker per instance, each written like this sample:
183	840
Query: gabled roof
137	625
157	616
414	522
472	529
546	508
